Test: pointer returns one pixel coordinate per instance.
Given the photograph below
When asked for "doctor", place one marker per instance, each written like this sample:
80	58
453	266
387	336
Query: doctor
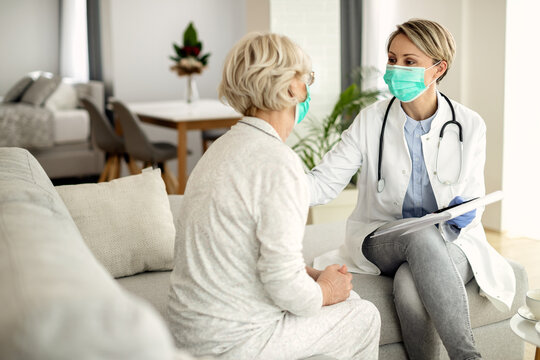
416	153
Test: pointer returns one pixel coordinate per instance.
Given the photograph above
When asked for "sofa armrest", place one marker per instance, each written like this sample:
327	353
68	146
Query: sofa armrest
94	90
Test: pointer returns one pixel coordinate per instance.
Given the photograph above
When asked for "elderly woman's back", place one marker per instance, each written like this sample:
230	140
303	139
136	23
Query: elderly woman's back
245	205
240	288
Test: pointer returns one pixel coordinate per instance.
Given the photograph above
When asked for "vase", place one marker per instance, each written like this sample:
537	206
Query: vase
192	94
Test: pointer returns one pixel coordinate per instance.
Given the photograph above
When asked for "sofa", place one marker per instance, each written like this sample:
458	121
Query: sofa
76	155
41	113
60	302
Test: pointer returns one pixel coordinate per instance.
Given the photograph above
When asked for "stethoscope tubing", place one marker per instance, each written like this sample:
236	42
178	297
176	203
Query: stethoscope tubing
380	179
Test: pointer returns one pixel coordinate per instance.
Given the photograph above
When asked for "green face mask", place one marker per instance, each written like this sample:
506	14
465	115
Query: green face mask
302	108
406	83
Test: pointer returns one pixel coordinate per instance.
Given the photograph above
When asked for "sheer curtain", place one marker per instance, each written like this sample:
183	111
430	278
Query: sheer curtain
73	40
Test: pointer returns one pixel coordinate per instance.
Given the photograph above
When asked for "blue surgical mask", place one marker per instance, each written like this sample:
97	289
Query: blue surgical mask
302	108
406	82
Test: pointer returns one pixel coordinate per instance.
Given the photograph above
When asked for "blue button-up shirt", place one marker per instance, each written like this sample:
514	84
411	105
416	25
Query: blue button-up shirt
419	199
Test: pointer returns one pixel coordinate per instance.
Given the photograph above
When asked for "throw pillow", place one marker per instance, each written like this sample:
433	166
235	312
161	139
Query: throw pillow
127	223
40	90
63	98
15	93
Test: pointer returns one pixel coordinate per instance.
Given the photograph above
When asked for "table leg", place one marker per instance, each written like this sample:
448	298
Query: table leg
182	157
537	356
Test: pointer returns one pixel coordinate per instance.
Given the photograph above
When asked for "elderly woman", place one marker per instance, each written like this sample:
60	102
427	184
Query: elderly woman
406	172
240	287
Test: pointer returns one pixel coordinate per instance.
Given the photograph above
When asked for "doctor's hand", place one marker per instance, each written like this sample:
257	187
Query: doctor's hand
335	283
462	220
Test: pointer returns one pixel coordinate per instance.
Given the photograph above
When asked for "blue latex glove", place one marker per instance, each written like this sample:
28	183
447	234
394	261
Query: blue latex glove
462	220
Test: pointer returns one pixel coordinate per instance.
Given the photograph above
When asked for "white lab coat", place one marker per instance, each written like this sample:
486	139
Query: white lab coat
359	148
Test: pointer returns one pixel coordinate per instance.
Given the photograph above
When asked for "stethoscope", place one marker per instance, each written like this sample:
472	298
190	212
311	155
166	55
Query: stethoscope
380	179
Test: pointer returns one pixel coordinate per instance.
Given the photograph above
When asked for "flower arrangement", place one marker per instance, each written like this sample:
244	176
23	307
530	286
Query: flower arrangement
188	59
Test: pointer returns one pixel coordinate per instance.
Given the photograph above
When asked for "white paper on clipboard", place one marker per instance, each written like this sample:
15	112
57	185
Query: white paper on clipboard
414	224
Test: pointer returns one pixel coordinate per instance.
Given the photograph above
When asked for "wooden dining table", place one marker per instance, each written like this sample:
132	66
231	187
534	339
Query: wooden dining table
204	114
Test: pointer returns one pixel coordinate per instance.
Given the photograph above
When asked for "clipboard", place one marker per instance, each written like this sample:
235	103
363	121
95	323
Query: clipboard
439	216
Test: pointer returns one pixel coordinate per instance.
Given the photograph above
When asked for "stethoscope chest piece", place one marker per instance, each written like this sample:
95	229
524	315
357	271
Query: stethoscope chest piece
380	185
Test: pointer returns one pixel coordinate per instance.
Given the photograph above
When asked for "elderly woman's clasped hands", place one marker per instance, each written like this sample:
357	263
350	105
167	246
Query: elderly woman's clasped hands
335	283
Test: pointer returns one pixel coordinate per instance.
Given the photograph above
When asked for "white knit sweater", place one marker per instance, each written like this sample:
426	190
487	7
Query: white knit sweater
240	267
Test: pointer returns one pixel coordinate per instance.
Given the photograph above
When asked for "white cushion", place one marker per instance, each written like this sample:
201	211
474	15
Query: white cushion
71	126
127	222
63	98
57	301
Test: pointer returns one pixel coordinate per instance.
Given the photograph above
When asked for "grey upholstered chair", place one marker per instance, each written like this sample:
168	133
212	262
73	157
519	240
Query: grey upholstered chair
107	140
138	145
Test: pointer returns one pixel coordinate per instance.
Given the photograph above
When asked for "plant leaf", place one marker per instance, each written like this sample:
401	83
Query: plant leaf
190	35
178	49
204	58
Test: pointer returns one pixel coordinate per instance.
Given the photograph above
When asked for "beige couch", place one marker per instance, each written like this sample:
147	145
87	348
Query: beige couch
57	299
80	158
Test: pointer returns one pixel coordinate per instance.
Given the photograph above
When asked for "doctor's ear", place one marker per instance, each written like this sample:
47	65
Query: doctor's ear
441	69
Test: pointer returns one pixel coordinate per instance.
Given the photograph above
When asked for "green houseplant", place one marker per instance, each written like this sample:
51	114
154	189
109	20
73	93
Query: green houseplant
322	135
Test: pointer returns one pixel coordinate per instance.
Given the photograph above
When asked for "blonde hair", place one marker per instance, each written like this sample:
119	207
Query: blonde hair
258	72
431	38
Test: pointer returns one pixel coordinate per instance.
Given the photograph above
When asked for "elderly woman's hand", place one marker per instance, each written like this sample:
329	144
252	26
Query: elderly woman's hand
313	273
335	282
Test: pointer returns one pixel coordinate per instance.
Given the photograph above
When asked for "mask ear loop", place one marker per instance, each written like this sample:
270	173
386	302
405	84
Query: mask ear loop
437	63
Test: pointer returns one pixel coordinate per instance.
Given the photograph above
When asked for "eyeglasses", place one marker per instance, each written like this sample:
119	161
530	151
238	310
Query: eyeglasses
309	78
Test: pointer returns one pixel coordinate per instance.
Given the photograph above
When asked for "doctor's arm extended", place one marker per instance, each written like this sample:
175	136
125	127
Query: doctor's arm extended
337	167
281	266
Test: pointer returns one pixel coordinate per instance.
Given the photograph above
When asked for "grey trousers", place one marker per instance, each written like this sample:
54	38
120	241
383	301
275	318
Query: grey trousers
348	330
429	291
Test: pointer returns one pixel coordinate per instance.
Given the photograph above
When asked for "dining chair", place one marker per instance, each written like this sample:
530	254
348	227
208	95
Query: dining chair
209	136
138	145
107	140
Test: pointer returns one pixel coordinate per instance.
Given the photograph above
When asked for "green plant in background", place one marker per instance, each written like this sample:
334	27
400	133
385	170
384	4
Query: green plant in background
322	135
188	59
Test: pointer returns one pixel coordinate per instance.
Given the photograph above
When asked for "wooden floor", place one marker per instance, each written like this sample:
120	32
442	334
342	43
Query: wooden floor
527	253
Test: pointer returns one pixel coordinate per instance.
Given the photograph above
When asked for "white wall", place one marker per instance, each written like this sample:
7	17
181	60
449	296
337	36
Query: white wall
482	86
257	15
522	120
141	37
29	36
315	26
